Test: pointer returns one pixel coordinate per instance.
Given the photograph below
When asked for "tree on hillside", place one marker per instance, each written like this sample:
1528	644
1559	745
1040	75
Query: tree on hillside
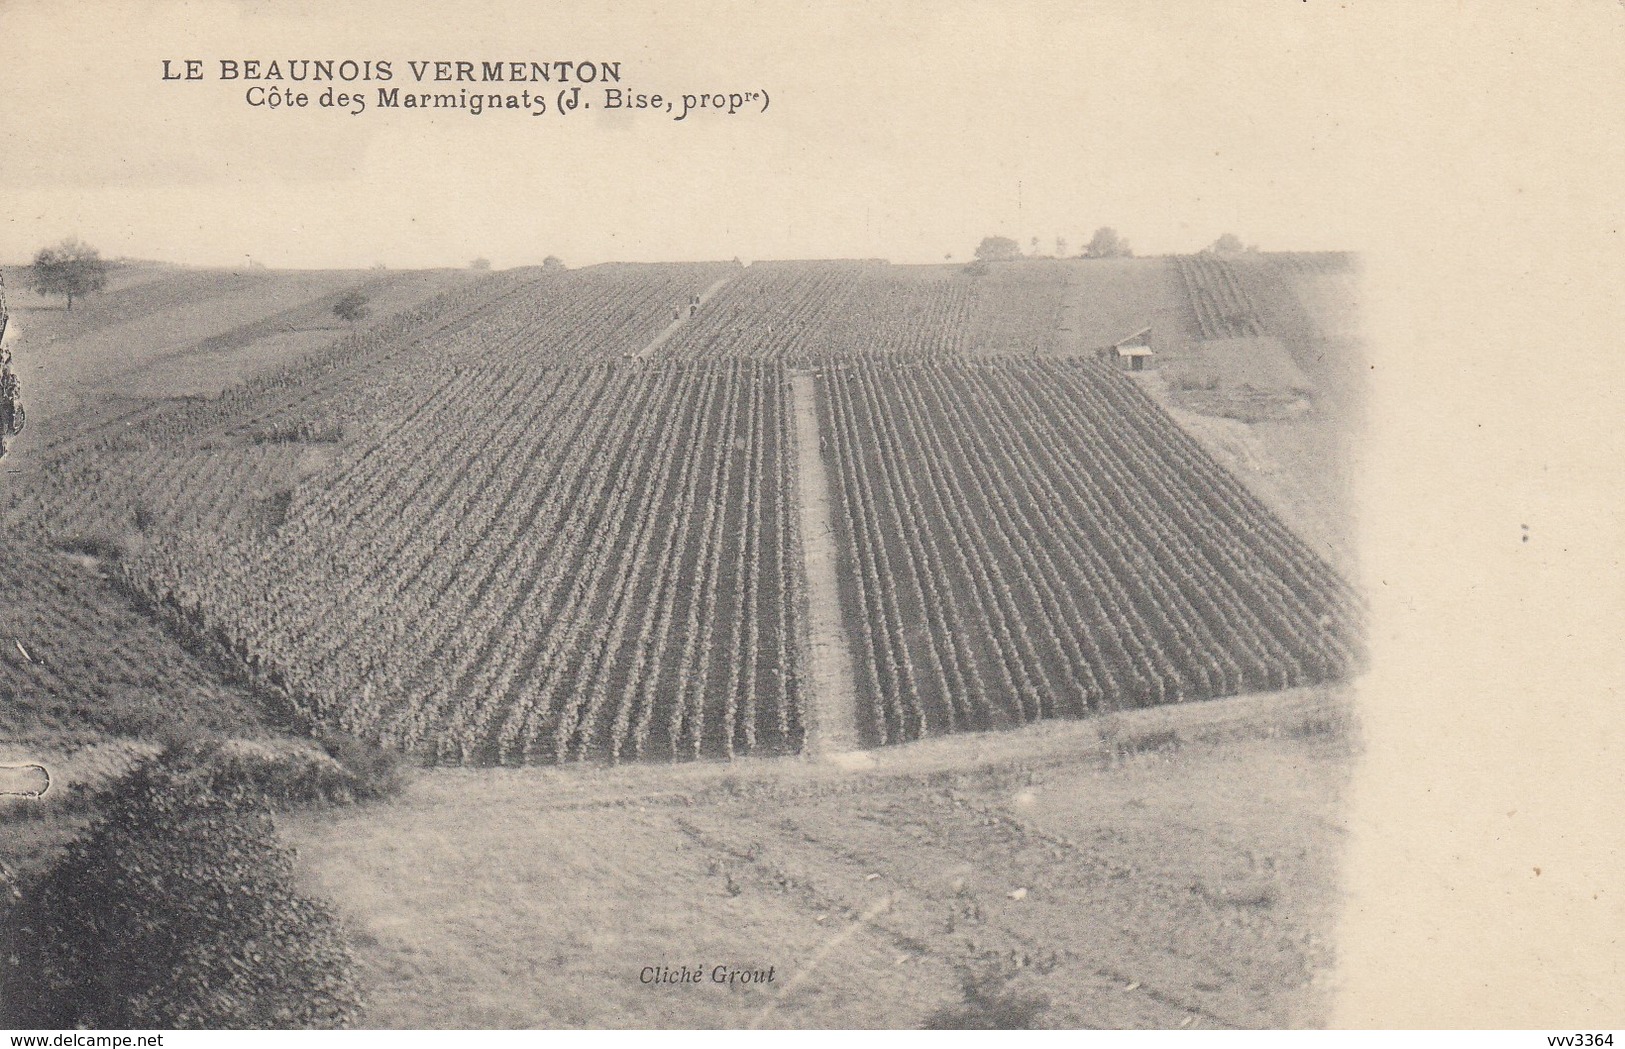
352	306
998	249
480	264
1228	243
1107	244
553	262
69	268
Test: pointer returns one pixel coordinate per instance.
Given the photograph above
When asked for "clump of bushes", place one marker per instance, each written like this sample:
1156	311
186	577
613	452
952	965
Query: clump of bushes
283	778
343	770
176	909
375	772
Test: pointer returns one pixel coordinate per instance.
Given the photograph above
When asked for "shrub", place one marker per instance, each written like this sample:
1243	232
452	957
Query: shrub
990	1004
353	305
177	909
376	771
997	249
340	771
282	777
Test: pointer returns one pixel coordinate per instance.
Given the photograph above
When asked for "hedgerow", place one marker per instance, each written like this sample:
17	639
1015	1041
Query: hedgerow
177	909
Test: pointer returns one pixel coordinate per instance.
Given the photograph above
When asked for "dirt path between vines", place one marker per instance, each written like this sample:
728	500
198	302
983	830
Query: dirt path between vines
832	719
681	319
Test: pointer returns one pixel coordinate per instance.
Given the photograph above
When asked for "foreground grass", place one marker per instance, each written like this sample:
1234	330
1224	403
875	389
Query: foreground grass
1171	867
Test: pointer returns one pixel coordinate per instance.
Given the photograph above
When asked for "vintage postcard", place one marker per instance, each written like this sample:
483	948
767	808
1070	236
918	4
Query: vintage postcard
730	515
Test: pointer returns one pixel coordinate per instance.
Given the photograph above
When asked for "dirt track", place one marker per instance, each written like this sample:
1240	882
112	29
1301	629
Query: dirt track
833	728
681	319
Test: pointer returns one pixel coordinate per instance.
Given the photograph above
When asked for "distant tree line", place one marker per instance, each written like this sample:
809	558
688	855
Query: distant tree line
1106	243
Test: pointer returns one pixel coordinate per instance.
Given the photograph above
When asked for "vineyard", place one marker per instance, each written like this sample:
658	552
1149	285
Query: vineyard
1244	296
138	464
800	313
608	572
551	516
1028	540
1223	306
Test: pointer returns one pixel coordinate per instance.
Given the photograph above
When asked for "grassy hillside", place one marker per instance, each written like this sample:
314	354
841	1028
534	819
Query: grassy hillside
163	331
89	684
78	661
1107	300
1270	377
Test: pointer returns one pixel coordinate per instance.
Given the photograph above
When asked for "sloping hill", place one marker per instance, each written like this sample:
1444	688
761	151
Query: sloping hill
79	662
1271	379
163	331
1110	299
484	528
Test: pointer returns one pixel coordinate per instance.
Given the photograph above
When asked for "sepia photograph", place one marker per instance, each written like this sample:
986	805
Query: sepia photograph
950	516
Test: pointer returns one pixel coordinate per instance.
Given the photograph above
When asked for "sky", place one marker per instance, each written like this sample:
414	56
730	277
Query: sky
908	131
